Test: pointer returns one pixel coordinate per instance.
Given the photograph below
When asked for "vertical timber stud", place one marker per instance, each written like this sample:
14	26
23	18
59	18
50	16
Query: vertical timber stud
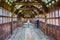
47	30
11	23
45	19
59	15
58	18
52	20
54	8
12	11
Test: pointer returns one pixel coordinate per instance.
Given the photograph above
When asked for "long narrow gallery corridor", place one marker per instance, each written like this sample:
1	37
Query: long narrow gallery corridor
28	34
29	19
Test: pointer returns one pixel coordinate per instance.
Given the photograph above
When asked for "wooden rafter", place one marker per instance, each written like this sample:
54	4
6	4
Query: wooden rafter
6	6
28	3
25	9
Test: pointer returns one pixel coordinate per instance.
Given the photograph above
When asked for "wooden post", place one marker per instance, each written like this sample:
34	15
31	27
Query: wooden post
11	23
58	17
12	11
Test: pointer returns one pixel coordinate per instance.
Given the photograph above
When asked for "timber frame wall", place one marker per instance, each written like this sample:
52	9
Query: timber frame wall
51	24
7	24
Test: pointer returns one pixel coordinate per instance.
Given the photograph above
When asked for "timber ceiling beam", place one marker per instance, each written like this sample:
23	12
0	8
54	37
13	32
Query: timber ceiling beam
26	9
28	3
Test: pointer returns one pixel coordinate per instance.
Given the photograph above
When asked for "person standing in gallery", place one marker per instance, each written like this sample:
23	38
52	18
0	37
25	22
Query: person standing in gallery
37	21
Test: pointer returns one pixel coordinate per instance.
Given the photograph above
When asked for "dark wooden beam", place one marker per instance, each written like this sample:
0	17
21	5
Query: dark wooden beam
5	5
25	9
28	3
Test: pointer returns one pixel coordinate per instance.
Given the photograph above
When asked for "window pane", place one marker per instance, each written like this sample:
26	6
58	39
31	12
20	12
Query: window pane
43	20
14	19
53	14
53	21
50	14
4	12
59	12
0	11
4	20
10	14
47	15
56	13
48	21
0	20
9	20
57	22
